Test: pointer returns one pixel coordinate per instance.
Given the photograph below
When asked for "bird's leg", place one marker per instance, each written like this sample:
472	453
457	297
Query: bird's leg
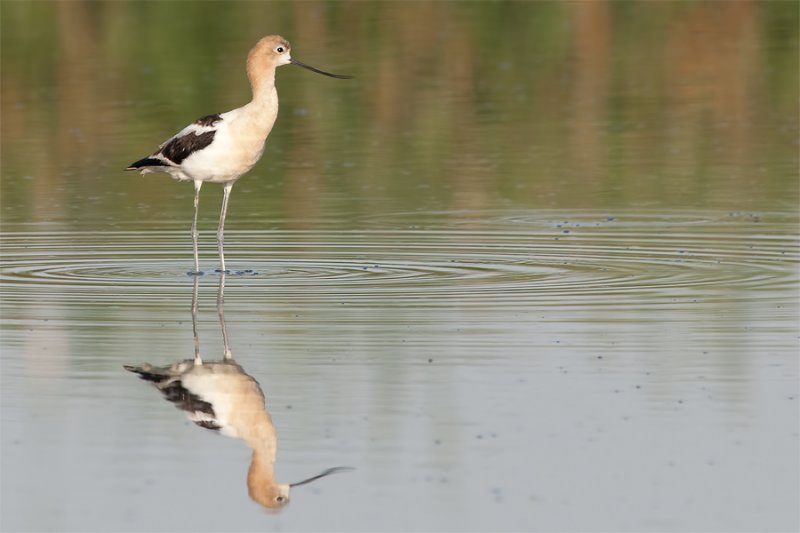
227	355
197	359
221	229
196	272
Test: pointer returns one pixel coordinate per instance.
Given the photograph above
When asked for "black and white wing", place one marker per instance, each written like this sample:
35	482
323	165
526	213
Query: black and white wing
193	138
168	381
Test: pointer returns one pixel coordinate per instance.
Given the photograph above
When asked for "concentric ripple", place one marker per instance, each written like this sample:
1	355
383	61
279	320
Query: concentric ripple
469	258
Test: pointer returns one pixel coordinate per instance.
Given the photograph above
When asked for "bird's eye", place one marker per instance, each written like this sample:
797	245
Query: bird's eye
280	49
280	499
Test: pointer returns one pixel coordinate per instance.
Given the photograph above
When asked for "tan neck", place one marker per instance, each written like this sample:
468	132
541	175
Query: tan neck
261	476
262	77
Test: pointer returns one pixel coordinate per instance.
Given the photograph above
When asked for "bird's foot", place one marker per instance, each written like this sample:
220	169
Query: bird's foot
220	271
195	273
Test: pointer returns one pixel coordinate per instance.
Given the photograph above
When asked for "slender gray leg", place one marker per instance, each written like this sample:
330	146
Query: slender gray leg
197	185
197	359
227	355
221	229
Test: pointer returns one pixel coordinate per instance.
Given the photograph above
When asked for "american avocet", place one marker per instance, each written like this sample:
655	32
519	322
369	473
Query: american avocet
221	396
221	148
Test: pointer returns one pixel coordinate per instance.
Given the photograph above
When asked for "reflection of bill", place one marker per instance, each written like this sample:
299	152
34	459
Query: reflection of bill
222	397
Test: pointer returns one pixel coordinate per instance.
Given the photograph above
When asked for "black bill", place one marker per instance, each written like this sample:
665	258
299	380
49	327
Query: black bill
318	71
325	473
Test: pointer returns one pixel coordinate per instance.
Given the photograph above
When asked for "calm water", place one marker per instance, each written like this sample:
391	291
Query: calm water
535	269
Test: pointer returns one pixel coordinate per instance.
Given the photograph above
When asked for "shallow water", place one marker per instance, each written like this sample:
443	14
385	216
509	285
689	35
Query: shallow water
566	301
620	372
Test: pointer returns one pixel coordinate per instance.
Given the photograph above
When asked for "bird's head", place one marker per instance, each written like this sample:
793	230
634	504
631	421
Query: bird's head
275	50
272	496
275	495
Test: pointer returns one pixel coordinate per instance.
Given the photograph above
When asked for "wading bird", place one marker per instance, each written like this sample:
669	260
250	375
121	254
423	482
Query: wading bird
221	148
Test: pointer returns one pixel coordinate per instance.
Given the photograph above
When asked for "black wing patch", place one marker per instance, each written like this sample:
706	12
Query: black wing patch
176	393
208	120
182	147
208	424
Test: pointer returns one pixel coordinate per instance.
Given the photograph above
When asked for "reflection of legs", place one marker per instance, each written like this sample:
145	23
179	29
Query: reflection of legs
221	229
197	185
221	312
197	359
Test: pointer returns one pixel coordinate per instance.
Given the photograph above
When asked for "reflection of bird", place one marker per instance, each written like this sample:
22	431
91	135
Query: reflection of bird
221	396
221	148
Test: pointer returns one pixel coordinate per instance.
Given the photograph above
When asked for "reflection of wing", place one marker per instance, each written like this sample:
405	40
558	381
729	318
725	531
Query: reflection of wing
199	411
217	396
169	381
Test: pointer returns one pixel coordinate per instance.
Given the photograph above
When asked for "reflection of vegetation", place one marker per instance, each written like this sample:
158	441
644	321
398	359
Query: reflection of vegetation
457	104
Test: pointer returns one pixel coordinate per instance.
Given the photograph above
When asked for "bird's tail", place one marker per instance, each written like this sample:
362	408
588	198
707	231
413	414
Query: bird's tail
146	162
148	372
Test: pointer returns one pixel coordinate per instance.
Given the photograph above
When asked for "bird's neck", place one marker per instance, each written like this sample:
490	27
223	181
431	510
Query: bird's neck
263	108
261	475
264	91
262	78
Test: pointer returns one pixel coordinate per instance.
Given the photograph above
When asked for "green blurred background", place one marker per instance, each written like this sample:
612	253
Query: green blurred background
456	105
